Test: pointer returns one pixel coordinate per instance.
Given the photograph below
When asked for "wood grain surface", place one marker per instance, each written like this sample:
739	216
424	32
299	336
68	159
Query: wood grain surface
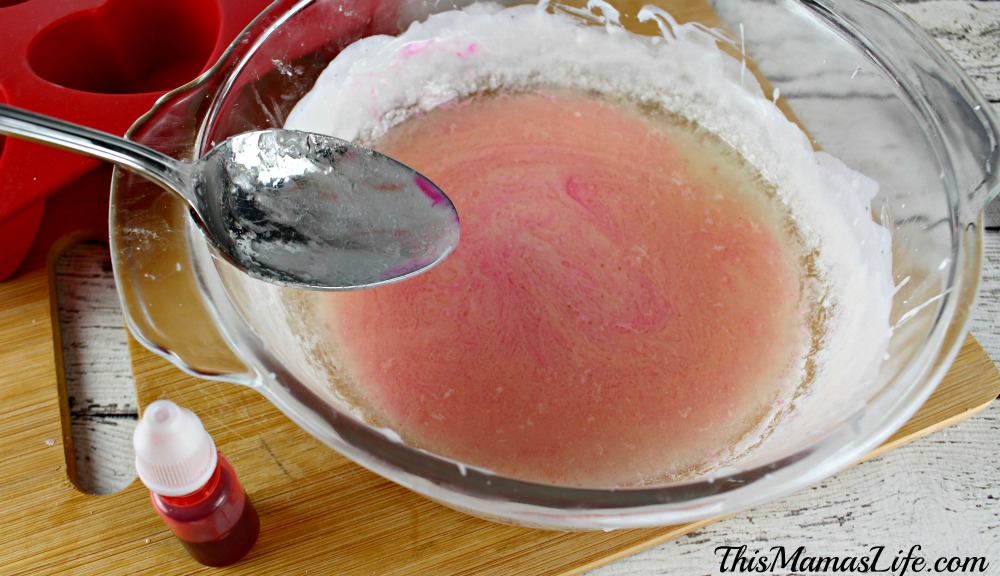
941	492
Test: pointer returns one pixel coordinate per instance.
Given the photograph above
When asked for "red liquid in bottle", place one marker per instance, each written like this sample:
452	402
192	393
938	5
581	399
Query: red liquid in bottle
231	547
217	523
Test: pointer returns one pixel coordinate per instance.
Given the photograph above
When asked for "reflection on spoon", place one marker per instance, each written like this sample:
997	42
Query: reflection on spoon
293	208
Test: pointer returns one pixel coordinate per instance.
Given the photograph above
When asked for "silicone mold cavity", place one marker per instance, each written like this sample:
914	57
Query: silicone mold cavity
100	63
127	47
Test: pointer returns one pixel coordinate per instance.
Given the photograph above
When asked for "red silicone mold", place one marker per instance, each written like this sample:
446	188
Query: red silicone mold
101	63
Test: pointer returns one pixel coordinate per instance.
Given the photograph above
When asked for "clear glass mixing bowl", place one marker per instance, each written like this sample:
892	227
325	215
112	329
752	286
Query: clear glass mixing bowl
863	80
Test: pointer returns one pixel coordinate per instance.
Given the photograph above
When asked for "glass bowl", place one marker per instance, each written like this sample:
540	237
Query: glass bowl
864	81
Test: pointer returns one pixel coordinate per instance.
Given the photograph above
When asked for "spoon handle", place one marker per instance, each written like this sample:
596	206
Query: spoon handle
157	167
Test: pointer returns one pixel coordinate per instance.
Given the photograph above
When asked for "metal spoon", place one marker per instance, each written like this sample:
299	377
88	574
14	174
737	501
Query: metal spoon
293	208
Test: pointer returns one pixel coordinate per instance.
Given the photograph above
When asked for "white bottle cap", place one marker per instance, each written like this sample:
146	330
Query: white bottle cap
174	455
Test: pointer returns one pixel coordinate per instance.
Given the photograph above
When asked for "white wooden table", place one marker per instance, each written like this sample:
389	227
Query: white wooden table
941	493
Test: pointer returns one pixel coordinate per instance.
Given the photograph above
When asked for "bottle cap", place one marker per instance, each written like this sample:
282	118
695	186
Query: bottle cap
174	455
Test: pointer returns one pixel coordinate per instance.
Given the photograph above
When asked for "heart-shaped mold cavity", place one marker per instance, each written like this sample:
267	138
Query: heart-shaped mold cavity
127	47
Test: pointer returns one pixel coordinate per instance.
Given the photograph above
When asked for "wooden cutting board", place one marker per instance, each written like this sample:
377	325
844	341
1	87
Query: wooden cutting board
319	512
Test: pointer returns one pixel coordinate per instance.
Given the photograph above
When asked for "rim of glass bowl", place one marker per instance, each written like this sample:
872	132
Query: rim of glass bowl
485	494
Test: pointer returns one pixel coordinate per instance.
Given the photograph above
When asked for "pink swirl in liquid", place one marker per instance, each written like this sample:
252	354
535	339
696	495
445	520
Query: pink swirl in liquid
622	307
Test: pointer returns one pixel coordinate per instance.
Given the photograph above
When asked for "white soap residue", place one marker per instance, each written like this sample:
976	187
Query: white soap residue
380	81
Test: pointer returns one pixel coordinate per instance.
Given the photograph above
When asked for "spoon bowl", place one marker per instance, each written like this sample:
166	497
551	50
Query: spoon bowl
293	208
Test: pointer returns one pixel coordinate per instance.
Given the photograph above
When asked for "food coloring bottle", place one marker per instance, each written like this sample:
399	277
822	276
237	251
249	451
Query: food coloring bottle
193	486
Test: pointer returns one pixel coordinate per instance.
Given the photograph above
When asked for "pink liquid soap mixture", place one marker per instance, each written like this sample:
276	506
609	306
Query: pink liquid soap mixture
658	275
626	304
